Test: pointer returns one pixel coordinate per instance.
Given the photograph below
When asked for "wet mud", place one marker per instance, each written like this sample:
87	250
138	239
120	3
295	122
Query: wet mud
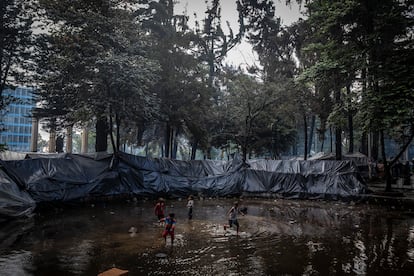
277	237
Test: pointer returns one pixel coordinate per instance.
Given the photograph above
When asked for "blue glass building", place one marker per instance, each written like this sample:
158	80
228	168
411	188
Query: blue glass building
16	122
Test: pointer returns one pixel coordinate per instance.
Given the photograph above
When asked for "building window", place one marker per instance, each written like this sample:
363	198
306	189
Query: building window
16	120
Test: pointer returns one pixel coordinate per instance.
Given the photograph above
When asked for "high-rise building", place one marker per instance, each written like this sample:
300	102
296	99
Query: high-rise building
15	119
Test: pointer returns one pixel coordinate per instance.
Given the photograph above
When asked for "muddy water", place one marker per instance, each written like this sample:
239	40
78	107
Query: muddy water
277	237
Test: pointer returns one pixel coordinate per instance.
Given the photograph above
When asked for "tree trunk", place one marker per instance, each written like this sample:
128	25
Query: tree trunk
167	150
111	133
118	128
350	122
273	150
330	139
101	142
387	166
351	132
244	154
140	133
310	137
305	126
35	134
169	141
52	139
338	130
364	142
85	136
322	144
338	143
194	150
375	146
245	143
174	144
365	149
69	134
295	144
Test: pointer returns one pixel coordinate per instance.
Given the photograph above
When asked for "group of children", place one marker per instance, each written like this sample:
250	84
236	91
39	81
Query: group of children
170	222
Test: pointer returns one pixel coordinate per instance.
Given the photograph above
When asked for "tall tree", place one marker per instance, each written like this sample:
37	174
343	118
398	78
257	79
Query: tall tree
248	115
279	48
213	43
335	68
181	87
102	66
388	104
16	44
367	44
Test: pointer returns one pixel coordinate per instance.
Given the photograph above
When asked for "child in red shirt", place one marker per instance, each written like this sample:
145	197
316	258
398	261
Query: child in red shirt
169	227
159	209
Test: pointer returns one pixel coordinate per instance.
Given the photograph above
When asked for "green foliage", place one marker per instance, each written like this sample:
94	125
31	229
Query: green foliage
247	115
143	69
97	64
212	44
16	44
388	103
351	55
184	97
3	147
279	48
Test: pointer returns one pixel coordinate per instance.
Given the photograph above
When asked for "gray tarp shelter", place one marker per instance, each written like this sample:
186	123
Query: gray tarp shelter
14	201
360	160
71	177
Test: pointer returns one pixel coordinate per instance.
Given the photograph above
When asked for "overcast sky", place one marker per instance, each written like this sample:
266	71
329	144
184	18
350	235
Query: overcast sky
242	53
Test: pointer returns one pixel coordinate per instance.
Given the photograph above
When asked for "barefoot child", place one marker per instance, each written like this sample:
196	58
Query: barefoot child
169	227
232	214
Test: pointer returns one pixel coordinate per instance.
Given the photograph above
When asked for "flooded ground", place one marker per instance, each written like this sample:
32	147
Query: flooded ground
277	237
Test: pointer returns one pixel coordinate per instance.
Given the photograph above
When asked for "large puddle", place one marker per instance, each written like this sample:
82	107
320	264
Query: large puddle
277	237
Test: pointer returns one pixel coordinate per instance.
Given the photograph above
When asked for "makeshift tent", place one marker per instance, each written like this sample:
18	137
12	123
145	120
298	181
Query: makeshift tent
74	177
14	201
360	160
304	179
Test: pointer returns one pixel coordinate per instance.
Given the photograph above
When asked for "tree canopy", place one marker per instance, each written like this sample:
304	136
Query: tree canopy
143	75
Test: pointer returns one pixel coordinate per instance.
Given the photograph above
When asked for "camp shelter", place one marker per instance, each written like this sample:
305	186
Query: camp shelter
72	177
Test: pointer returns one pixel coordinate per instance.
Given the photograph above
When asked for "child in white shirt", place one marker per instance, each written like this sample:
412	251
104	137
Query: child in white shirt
190	204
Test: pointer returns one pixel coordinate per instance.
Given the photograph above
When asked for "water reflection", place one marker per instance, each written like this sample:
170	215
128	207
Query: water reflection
276	238
16	263
77	258
12	230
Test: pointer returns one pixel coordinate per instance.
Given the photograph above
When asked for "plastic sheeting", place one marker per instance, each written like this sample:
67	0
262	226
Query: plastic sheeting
304	179
14	202
73	177
360	160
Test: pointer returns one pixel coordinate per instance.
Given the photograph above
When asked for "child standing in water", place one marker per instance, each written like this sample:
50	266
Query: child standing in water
232	214
190	204
169	227
159	209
